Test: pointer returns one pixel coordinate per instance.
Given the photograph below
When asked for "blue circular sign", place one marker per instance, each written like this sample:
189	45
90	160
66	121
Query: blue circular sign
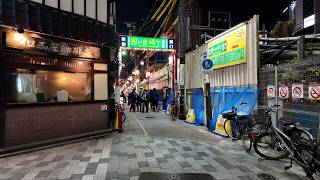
207	64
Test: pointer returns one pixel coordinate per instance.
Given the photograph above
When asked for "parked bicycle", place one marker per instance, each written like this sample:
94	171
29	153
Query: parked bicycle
295	141
254	129
235	125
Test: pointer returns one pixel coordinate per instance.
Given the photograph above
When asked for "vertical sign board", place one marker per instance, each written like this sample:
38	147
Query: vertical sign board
284	92
271	91
297	91
314	92
228	49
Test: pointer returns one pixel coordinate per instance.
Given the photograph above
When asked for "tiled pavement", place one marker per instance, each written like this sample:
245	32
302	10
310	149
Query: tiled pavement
124	156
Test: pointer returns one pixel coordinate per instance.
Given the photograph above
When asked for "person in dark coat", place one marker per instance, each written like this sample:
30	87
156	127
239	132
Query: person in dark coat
139	99
132	100
145	98
154	99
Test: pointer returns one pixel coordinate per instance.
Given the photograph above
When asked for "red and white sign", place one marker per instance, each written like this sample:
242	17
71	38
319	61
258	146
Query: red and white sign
284	92
297	91
271	91
314	92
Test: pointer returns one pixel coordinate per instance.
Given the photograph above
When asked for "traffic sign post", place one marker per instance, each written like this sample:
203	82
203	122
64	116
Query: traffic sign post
207	64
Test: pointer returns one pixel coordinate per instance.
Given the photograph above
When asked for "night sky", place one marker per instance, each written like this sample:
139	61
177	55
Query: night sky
132	11
269	10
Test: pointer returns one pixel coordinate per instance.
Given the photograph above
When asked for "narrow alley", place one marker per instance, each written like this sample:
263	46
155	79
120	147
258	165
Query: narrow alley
151	142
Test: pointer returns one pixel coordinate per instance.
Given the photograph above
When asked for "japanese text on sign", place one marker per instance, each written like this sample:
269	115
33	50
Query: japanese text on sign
229	49
49	45
148	43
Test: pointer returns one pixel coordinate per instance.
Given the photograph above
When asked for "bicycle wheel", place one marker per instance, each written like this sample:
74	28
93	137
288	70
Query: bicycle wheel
246	137
306	150
302	137
270	147
230	129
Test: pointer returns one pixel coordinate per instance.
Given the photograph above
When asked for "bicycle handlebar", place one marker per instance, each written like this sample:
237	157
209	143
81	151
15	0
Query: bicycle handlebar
235	107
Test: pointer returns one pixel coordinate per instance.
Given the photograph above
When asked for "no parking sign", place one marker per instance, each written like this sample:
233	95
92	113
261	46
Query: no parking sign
297	91
314	92
284	92
271	91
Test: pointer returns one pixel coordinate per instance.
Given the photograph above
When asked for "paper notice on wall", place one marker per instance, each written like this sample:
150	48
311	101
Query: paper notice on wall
271	91
297	91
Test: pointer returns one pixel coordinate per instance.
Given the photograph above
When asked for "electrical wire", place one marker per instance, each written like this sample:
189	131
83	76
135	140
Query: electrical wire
164	10
155	14
148	19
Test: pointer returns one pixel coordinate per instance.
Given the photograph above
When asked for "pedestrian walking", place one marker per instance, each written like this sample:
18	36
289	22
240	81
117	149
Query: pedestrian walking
139	99
132	100
145	103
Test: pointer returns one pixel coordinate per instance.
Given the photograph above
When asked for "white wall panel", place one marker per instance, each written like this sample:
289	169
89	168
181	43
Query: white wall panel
38	1
79	7
193	69
91	8
100	86
52	3
103	11
66	5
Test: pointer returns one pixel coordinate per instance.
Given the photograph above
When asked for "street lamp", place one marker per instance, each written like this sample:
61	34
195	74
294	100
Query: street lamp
148	74
124	52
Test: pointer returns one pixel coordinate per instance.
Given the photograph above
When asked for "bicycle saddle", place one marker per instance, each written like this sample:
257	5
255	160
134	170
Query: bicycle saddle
229	115
289	124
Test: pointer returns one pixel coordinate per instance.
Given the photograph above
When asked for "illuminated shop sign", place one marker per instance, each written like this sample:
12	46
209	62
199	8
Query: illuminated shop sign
228	49
146	43
30	42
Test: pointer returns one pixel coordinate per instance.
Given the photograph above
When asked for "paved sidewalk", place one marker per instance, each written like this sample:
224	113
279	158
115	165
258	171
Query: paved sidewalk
165	147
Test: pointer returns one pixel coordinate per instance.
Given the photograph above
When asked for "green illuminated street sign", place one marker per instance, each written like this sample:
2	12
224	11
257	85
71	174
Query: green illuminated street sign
146	43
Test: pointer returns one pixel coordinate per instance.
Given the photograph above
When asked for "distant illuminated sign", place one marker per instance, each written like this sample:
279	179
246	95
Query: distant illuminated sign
228	49
146	43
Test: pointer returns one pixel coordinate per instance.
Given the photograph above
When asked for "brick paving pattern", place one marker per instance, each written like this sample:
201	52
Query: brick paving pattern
182	149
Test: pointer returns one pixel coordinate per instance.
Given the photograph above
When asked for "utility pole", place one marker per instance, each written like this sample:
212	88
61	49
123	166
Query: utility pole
182	48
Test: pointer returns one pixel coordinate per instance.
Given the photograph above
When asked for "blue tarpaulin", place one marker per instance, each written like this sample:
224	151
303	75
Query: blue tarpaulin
198	107
169	99
230	96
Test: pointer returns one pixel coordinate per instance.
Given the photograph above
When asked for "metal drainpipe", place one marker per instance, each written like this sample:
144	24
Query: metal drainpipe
276	91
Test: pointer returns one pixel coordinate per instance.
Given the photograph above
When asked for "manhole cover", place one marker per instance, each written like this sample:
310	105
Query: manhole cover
149	117
265	176
174	176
